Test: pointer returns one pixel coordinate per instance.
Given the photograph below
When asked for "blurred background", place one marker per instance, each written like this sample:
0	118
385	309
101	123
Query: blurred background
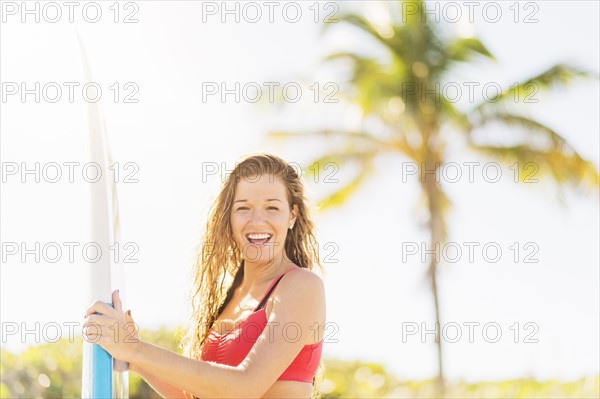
451	148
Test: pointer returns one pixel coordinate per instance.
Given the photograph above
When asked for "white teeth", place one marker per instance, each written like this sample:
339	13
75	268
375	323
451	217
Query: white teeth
258	236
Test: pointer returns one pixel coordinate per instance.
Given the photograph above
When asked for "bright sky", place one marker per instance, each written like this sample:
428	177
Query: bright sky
372	293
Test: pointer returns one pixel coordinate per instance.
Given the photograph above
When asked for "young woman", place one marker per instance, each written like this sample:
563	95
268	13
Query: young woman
258	309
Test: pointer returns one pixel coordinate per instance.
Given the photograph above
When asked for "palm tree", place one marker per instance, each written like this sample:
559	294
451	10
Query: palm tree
396	90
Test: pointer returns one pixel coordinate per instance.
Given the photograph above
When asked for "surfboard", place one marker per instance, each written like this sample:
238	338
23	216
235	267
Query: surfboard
102	376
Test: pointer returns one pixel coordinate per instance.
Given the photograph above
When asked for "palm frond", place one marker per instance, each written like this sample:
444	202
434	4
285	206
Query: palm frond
542	154
559	75
365	137
339	197
342	55
531	126
394	43
462	49
530	165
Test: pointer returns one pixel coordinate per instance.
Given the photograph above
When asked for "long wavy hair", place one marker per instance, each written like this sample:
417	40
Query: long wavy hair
218	268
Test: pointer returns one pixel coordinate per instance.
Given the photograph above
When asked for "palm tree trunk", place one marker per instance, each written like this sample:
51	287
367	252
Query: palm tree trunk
434	289
436	237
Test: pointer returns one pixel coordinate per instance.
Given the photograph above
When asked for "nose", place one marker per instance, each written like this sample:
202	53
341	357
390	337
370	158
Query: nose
257	217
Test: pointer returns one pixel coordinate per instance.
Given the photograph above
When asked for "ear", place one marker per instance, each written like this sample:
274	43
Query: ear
295	212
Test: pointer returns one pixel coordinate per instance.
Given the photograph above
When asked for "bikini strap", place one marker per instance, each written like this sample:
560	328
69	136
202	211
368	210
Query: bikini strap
271	289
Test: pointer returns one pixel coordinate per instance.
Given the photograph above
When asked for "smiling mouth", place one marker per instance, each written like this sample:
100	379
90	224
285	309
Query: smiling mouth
259	241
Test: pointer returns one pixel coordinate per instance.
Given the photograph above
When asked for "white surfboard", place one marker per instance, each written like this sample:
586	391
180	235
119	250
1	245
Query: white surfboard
102	376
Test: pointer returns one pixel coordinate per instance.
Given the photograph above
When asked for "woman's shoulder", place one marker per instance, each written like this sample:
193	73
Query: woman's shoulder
302	301
301	281
304	274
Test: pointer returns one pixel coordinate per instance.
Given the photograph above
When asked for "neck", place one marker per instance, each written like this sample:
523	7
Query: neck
257	273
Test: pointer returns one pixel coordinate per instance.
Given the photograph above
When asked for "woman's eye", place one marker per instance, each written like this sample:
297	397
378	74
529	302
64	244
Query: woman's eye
244	208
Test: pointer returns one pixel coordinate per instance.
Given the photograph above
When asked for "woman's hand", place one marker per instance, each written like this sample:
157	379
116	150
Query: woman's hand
112	328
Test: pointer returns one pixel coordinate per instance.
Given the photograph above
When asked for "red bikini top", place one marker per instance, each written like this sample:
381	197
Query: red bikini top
233	347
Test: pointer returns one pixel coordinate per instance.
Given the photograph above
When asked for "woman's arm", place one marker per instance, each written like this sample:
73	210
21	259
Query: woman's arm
160	386
202	379
299	302
163	388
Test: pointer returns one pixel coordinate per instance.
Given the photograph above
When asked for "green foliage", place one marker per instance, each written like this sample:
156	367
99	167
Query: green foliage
51	370
58	366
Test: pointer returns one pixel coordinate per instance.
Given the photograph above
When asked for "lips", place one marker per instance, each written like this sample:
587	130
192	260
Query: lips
259	238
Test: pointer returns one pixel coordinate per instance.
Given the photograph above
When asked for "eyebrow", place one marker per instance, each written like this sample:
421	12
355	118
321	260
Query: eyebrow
243	200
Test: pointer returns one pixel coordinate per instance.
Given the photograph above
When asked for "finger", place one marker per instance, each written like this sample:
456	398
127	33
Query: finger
128	317
98	326
131	327
94	338
99	320
99	307
116	300
92	330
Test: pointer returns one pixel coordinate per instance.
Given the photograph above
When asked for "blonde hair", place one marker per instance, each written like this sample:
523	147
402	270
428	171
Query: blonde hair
218	270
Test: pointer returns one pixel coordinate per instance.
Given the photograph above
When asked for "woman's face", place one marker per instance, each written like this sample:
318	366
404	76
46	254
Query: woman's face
260	217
